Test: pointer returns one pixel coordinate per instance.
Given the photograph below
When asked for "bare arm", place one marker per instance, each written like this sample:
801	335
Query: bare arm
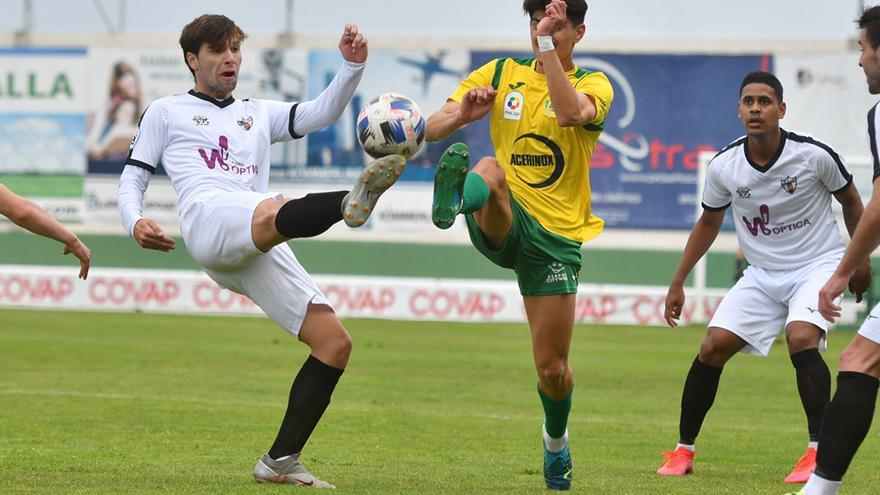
475	104
702	236
30	216
851	202
572	108
865	240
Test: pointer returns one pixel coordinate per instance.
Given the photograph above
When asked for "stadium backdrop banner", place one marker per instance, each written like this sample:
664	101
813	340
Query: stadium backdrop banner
42	110
666	110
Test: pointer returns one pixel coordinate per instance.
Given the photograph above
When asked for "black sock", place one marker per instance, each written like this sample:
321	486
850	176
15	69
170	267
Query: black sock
847	421
310	215
309	397
696	399
814	387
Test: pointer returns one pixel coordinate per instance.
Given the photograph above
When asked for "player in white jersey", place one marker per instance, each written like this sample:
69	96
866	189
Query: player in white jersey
849	414
215	149
780	185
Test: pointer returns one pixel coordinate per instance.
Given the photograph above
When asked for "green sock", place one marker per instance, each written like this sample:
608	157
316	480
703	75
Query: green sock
555	413
476	193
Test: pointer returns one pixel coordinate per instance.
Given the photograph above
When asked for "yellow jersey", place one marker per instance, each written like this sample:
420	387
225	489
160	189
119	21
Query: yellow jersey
547	166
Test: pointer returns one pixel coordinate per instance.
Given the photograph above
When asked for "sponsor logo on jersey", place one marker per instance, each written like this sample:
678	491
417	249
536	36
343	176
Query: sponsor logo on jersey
222	160
557	273
744	192
517	85
527	166
246	122
513	105
789	184
201	120
761	224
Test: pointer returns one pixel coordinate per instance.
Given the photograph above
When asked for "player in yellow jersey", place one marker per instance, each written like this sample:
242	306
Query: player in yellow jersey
528	207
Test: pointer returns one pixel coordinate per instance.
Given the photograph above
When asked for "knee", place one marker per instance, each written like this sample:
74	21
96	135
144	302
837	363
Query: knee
712	353
492	173
555	371
341	346
799	342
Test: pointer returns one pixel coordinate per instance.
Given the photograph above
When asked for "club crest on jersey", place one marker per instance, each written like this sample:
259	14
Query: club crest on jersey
789	184
201	120
246	122
513	105
548	108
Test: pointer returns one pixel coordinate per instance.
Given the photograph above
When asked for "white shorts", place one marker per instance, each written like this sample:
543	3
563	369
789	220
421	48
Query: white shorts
763	302
870	328
219	238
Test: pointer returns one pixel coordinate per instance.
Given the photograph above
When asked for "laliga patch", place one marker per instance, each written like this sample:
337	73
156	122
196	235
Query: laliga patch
513	105
789	184
548	108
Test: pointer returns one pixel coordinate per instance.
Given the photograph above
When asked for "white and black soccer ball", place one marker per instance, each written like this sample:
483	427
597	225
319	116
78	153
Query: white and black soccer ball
392	124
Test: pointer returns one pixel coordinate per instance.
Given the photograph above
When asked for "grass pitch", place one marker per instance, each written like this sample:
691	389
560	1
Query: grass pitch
135	403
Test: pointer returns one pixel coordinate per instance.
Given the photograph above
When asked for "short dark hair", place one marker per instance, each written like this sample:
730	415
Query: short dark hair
763	78
576	9
870	22
218	31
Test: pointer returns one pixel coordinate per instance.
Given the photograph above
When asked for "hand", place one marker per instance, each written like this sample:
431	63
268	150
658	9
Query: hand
828	296
674	303
148	234
860	281
554	20
353	45
475	104
82	252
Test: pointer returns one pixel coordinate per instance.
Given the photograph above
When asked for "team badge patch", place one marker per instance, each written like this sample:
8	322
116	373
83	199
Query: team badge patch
548	108
789	184
513	105
246	123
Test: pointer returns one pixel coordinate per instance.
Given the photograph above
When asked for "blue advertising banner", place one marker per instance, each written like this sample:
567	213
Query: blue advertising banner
666	110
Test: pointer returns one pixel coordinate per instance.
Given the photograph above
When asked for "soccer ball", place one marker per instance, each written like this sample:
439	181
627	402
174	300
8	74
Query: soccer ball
391	124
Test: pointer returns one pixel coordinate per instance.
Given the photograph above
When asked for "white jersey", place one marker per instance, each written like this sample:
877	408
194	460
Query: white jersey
873	124
782	211
208	146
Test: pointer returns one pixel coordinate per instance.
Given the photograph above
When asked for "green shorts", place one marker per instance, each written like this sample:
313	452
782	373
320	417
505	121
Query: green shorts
545	263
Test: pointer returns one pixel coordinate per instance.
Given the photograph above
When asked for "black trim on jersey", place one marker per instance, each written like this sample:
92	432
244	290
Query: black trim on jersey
202	96
848	183
137	163
713	208
293	133
872	136
783	136
807	139
729	147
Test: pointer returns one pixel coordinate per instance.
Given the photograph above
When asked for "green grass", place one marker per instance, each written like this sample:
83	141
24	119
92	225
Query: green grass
133	403
70	186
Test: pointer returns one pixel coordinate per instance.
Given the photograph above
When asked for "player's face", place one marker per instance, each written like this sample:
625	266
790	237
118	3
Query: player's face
869	61
759	109
564	39
216	70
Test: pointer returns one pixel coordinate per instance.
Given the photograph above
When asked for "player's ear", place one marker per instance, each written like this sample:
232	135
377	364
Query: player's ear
580	31
781	109
192	60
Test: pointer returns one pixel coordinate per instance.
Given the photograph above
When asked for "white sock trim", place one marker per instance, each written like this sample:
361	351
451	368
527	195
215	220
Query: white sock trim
555	444
692	448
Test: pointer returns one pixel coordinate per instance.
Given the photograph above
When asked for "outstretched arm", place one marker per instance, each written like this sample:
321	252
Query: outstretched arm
30	216
702	236
327	107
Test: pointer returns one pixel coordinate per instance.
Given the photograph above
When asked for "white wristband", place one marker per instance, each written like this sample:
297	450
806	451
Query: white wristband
545	43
